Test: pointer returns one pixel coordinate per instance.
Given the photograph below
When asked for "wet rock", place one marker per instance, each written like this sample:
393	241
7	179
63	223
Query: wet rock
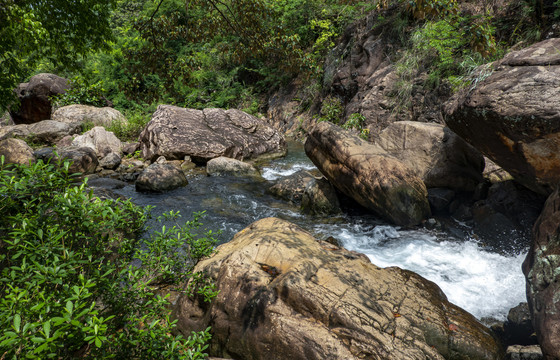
106	183
512	115
320	198
159	178
111	161
84	114
223	166
291	188
103	142
543	278
282	295
205	134
518	328
507	215
369	175
35	98
434	153
440	199
519	352
16	151
82	160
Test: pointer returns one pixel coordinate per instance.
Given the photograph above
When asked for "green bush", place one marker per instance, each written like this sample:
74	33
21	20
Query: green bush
331	110
81	92
77	281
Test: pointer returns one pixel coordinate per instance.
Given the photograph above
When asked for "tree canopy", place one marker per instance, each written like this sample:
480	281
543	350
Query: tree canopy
59	31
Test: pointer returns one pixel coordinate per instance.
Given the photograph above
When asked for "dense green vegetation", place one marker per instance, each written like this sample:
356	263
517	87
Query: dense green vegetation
215	53
77	281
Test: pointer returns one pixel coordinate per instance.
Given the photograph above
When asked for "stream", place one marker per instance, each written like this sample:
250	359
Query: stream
483	282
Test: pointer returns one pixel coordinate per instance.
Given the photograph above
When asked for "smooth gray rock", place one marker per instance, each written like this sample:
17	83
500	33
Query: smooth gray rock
223	166
176	132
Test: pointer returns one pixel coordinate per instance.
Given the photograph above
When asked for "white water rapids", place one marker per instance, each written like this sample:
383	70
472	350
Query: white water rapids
486	284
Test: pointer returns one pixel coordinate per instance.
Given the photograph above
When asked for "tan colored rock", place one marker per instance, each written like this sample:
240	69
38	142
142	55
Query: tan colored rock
494	173
176	132
98	116
283	295
365	172
103	142
434	153
512	115
16	151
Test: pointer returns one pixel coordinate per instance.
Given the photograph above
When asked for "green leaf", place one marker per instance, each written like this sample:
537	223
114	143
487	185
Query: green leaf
17	322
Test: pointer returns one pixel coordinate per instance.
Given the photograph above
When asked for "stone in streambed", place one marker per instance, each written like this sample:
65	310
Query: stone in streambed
160	178
176	132
368	174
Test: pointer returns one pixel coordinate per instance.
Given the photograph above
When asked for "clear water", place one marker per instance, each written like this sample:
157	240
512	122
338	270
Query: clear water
485	283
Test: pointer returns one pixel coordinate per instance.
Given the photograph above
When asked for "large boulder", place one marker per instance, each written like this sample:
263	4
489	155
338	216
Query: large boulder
82	160
103	142
512	115
434	153
542	271
176	132
98	116
16	151
160	178
35	98
366	173
283	295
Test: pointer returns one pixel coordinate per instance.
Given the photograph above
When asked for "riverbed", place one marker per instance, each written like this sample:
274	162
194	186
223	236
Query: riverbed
481	280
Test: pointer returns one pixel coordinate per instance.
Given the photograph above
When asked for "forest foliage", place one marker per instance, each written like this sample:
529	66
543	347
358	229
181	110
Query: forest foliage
223	53
77	280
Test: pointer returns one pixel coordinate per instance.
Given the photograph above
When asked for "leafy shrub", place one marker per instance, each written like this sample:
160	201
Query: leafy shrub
356	121
81	92
76	280
331	110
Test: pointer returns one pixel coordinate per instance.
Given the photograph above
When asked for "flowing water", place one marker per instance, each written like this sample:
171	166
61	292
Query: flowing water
483	282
